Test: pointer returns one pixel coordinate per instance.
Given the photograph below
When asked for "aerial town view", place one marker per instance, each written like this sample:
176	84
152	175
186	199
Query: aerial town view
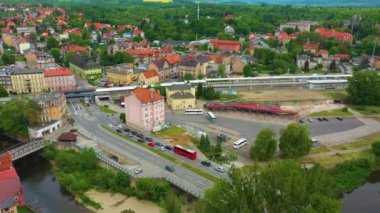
180	106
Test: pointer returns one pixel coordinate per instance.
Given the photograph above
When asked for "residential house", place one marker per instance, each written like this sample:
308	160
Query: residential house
311	48
313	62
22	45
181	97
11	194
85	67
339	36
225	45
149	77
284	38
26	30
52	115
5	77
59	79
27	80
8	39
143	52
173	62
189	66
301	26
144	108
39	59
229	30
74	49
237	66
121	74
162	67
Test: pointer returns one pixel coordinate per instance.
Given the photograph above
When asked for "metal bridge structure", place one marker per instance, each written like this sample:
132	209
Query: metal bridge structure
26	149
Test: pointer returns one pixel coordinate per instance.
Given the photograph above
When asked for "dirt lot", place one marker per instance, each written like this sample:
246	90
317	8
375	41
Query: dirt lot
282	95
175	135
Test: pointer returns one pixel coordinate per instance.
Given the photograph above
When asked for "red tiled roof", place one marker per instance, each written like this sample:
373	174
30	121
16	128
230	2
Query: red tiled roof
173	59
229	17
57	72
137	32
216	59
5	161
342	56
145	95
310	46
142	51
150	73
74	48
73	30
10	184
226	44
324	52
167	50
99	26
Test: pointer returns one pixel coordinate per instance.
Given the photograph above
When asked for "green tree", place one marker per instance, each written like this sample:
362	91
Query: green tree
56	53
218	148
52	43
17	114
8	58
306	66
248	71
222	71
188	77
199	91
202	142
122	117
137	39
3	91
364	88
283	185
264	146
171	204
206	145
122	57
333	65
295	141
376	148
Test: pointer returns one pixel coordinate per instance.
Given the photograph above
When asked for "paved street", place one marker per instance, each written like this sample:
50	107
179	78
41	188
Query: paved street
148	160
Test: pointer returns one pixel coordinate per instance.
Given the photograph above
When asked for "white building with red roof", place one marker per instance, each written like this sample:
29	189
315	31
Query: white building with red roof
144	108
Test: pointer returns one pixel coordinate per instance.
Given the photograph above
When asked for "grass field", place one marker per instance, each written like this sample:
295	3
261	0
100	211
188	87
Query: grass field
317	150
227	97
106	110
166	156
281	95
335	94
366	110
332	160
365	141
175	135
335	112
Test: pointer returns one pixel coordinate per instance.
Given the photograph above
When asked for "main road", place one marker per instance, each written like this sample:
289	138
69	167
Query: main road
92	126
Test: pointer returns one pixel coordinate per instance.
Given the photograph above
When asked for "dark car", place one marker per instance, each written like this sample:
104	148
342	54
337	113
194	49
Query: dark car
140	140
339	118
169	168
159	144
118	130
148	138
168	147
206	163
127	130
134	133
320	119
140	135
325	119
301	121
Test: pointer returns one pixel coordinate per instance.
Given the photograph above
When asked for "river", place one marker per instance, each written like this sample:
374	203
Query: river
41	190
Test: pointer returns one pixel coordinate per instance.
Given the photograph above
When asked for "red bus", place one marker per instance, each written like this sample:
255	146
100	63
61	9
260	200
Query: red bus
191	154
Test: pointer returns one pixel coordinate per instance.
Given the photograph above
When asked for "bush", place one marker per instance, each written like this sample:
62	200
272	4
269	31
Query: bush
376	148
87	201
151	189
344	109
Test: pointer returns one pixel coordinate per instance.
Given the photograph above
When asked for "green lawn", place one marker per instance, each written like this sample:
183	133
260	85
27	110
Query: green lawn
365	141
317	150
171	131
331	161
106	110
336	94
228	97
335	112
19	58
166	156
366	110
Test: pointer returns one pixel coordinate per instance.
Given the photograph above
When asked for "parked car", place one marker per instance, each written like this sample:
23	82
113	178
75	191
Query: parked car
220	169
140	140
127	130
169	168
148	138
134	132
301	121
159	144
129	135
140	135
325	119
168	147
161	148
339	118
118	130
320	119
138	171
151	144
310	120
206	163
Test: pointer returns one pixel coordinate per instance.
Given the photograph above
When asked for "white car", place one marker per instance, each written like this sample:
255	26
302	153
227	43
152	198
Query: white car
220	169
138	171
110	125
161	148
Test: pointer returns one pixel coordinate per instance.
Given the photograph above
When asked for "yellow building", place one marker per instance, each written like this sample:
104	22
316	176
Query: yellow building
85	67
149	77
53	105
121	75
181	97
28	81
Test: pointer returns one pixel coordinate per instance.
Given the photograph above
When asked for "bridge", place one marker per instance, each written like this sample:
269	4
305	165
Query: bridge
80	93
26	149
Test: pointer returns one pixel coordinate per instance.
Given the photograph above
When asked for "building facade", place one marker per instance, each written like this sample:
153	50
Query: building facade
27	80
144	108
5	77
149	77
39	59
59	79
85	67
121	74
180	97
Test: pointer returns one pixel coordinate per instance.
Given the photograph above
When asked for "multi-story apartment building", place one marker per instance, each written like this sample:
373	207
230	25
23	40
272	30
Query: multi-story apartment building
85	67
27	80
59	79
39	59
144	108
5	77
121	74
181	97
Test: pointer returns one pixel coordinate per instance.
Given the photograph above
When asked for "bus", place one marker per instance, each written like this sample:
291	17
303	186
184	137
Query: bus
239	143
211	117
191	154
194	112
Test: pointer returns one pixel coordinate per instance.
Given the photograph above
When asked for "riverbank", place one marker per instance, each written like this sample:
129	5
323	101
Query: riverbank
116	202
